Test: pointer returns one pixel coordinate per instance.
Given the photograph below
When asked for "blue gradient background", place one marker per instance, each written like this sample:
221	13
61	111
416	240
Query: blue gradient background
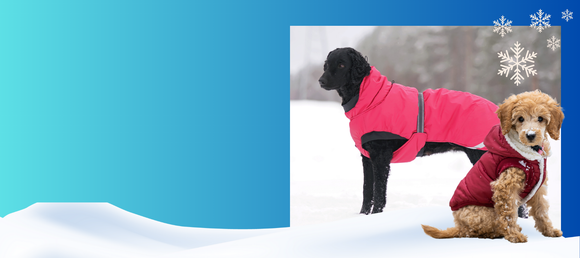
178	110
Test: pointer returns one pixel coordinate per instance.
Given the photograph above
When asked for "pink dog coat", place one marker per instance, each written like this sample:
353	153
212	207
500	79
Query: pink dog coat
385	110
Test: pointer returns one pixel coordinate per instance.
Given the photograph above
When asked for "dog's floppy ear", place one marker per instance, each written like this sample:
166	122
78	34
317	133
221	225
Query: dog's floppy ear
504	113
360	67
556	117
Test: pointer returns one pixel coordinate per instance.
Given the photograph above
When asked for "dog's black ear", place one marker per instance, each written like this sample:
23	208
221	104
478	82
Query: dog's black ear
504	113
556	117
360	67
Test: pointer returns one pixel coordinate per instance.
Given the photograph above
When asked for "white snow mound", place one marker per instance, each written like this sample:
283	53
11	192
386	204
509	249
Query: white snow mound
100	230
67	230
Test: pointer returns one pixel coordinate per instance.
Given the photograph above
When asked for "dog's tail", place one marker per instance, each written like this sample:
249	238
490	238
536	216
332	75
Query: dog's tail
438	233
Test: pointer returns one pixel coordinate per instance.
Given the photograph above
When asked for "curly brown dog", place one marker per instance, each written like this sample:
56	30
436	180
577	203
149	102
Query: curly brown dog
511	173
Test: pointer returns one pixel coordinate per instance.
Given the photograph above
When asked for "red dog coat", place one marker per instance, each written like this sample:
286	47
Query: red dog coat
474	189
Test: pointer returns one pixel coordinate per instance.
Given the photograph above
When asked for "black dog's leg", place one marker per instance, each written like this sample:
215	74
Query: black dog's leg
441	147
381	155
367	185
474	155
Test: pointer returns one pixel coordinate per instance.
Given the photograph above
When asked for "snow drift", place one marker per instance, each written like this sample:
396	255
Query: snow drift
100	230
47	230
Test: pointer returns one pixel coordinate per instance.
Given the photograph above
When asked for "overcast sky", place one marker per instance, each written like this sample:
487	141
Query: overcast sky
311	44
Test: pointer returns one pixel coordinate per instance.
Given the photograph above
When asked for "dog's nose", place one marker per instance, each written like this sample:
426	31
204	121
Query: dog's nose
531	136
322	82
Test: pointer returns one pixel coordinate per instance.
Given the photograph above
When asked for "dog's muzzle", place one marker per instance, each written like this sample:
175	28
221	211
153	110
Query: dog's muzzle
322	82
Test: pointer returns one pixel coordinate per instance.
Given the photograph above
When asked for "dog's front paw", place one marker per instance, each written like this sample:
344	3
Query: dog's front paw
366	208
517	238
554	232
377	209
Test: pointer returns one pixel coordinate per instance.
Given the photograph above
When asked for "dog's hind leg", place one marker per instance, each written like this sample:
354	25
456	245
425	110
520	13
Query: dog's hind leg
539	211
476	221
473	155
367	185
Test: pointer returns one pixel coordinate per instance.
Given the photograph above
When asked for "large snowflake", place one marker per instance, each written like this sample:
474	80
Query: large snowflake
541	22
502	27
567	15
553	43
515	61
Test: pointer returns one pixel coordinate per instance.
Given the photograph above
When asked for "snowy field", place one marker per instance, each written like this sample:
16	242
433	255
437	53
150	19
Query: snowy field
326	186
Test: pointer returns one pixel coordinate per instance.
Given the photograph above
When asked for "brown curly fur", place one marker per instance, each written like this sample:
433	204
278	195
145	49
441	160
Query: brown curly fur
501	221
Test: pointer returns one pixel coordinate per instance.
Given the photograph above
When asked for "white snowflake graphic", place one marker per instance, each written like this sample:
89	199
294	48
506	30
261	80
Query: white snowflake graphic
567	15
541	22
502	27
553	43
516	62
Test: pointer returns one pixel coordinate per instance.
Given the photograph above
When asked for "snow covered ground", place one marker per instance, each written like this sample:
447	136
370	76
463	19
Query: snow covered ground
326	186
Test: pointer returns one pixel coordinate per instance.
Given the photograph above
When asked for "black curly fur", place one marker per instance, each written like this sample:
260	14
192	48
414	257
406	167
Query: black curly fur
344	70
360	67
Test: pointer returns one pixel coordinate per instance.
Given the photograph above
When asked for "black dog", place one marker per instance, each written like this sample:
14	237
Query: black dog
344	70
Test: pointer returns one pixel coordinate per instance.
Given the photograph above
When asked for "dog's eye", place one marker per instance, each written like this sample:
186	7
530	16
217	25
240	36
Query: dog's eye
521	119
540	119
341	65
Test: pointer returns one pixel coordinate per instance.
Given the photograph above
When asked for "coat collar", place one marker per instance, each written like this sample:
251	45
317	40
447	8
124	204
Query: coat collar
526	151
373	90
